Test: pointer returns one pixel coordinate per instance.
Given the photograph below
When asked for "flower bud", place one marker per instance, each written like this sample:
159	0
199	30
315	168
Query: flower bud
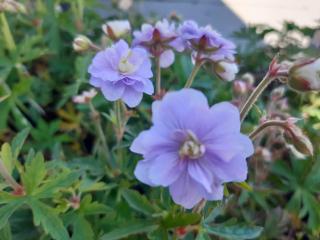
240	87
85	96
226	70
294	136
12	6
116	29
81	43
304	75
277	93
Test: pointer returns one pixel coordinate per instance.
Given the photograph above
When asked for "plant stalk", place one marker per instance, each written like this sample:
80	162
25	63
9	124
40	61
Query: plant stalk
193	73
254	96
158	76
263	126
7	34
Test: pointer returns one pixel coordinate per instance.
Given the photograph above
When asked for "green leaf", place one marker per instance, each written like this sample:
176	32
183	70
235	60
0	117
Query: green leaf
5	233
235	231
7	157
55	184
181	219
7	210
82	229
137	201
18	141
34	173
46	217
244	185
203	236
130	229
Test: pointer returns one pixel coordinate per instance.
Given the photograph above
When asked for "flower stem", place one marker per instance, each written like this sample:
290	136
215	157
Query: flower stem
254	95
8	178
193	73
158	76
97	123
263	126
10	44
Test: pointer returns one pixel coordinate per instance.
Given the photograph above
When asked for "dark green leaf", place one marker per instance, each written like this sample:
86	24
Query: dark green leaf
181	219
235	231
7	210
130	229
137	201
18	141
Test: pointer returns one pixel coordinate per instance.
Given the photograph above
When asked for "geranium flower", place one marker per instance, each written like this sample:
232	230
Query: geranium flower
159	40
206	43
122	73
192	148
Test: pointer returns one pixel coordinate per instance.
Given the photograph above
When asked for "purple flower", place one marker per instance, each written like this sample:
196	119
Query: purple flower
205	42
159	40
122	73
192	148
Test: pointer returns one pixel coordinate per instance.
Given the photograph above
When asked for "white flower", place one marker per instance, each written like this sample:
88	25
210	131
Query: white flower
226	70
304	75
117	28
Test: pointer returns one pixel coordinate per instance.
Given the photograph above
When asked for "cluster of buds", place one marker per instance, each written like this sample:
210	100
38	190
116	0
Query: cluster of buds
116	29
12	7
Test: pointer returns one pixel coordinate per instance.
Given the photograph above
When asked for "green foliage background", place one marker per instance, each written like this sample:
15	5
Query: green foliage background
50	145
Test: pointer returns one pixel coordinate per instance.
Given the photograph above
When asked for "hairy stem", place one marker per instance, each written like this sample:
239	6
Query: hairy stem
158	76
269	123
254	95
193	73
97	124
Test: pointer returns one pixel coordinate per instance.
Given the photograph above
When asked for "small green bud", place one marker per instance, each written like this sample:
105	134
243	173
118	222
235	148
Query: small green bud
81	43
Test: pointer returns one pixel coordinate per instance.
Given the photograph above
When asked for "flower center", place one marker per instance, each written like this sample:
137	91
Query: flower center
125	66
191	148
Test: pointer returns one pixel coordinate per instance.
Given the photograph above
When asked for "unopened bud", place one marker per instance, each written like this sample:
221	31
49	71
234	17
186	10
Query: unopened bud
249	79
304	75
116	29
240	87
85	97
294	136
277	93
226	70
12	6
81	43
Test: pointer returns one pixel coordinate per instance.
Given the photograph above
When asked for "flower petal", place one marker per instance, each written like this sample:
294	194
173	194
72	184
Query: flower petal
142	172
201	173
186	192
166	58
112	91
165	169
131	97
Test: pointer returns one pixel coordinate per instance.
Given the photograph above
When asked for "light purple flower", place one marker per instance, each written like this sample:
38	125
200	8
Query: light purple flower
122	73
205	42
192	148
159	40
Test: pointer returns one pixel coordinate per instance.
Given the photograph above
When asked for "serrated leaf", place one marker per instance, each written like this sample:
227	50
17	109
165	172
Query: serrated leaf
53	185
7	210
35	171
130	229
48	219
18	141
234	232
7	157
137	201
181	219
